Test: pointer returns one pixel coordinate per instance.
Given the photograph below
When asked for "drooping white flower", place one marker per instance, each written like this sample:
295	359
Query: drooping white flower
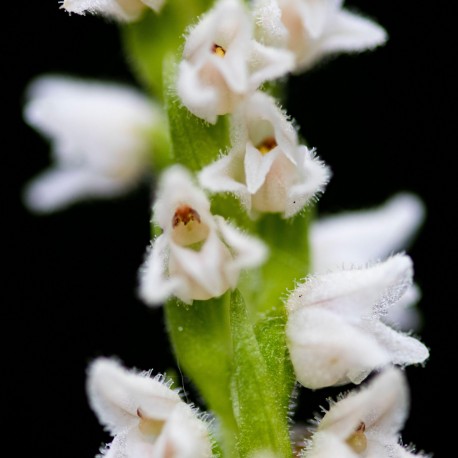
312	29
119	10
335	329
366	423
358	238
266	168
99	136
198	256
144	415
222	62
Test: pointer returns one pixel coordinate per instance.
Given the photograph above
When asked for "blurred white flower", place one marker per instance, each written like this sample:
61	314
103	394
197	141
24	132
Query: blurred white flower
365	423
119	10
335	329
100	139
312	29
144	415
198	256
222	62
357	238
266	167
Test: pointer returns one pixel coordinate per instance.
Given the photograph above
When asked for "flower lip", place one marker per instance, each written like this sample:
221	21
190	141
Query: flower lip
187	226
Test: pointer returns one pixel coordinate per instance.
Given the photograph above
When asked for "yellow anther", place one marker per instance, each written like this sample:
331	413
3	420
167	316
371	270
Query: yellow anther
185	214
218	50
358	441
267	145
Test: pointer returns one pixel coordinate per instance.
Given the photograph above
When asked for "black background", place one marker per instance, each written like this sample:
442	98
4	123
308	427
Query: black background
382	121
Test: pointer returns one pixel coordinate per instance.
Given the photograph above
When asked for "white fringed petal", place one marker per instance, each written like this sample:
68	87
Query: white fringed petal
335	331
99	136
325	350
145	416
198	256
119	10
378	411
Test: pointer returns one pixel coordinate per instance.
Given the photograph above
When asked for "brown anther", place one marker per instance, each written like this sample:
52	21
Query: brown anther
184	214
358	441
267	145
218	50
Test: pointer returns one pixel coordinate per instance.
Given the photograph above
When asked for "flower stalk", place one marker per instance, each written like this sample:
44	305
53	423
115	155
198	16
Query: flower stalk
258	295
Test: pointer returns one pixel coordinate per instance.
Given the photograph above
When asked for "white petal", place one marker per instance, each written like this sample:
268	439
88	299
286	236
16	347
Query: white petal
314	176
404	315
248	251
116	394
58	188
204	271
327	445
117	447
365	236
184	436
403	349
316	13
155	285
325	350
382	406
269	28
123	10
257	166
225	174
268	63
351	32
364	292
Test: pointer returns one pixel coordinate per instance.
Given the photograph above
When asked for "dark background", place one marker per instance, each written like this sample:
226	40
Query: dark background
382	121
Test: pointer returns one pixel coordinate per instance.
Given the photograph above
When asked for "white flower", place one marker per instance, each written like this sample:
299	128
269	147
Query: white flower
266	167
198	256
357	238
312	29
222	63
144	415
366	423
99	136
335	327
119	10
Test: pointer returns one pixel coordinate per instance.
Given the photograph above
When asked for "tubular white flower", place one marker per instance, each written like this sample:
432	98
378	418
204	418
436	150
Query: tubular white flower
266	167
357	238
198	256
119	10
335	329
99	136
222	63
312	29
146	417
366	423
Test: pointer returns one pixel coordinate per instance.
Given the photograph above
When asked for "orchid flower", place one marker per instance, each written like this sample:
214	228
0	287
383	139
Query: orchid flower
222	63
119	10
312	29
358	238
365	423
335	330
99	135
146	418
266	167
198	255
